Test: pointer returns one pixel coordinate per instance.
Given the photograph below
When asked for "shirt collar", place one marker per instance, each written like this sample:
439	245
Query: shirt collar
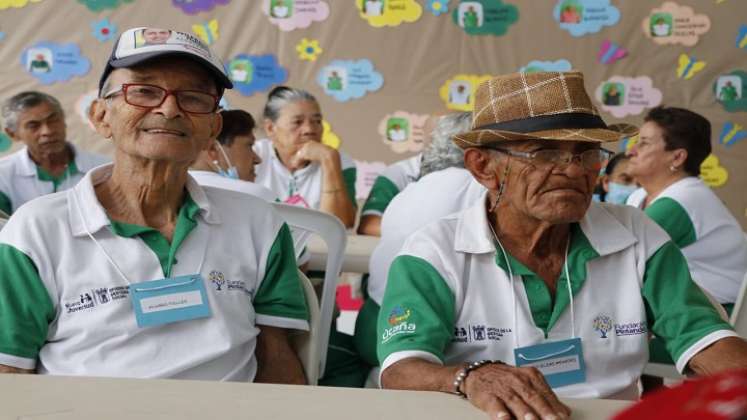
86	212
28	167
604	232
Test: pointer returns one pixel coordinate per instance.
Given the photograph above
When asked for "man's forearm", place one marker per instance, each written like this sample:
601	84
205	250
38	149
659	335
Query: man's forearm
725	354
370	225
11	369
419	375
276	361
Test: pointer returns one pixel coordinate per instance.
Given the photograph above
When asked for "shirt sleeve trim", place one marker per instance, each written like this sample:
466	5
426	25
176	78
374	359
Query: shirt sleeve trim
408	354
700	345
281	322
17	362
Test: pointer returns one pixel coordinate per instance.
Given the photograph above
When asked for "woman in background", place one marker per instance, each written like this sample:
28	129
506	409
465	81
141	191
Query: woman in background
617	183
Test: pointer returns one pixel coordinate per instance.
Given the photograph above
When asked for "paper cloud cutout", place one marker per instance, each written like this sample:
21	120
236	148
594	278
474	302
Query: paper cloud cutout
295	14
731	91
329	137
255	73
688	66
366	173
192	7
4	4
51	62
208	32
5	142
675	24
623	96
83	104
403	132
349	79
712	173
581	17
103	29
379	13
485	17
731	133
99	5
610	52
557	65
458	93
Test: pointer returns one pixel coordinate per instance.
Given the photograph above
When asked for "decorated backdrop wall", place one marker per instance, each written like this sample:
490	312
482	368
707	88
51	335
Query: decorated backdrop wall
379	67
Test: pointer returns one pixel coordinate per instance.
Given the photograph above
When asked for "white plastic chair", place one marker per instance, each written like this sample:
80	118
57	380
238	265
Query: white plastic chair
332	231
304	343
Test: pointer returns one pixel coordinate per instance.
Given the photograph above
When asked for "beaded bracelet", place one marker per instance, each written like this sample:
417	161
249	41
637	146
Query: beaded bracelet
465	371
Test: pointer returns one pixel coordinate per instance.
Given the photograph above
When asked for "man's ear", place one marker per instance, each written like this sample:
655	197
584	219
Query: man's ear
11	134
215	129
97	115
269	127
482	165
212	151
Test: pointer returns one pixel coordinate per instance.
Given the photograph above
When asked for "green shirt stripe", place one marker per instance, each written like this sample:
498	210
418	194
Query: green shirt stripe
25	307
348	176
382	193
56	181
280	293
5	204
673	218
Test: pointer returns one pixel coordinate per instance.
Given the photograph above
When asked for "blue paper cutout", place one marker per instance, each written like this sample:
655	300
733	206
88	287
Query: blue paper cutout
581	17
51	62
349	79
255	73
610	52
731	133
437	7
742	37
103	30
536	65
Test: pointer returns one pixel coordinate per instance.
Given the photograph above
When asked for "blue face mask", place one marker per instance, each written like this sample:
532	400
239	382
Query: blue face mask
618	193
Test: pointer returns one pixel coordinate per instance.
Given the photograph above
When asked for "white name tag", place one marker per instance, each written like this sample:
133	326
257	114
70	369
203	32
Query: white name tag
557	365
172	301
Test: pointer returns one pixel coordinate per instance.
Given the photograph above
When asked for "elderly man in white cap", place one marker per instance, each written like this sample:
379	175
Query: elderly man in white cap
535	291
138	271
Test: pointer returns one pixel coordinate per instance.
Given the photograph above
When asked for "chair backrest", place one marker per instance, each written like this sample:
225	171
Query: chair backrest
304	343
739	314
332	231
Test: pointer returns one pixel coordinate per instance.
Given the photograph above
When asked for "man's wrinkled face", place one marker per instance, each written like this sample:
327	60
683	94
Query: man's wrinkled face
42	129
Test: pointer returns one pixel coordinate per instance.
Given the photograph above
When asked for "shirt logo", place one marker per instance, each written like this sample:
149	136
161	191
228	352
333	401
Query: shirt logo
102	295
602	324
631	328
478	332
398	320
398	315
217	278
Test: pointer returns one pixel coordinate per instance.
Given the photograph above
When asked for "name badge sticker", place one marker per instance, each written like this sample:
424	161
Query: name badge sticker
169	300
561	362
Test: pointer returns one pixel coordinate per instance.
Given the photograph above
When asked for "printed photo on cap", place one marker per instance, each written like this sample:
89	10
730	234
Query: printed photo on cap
152	36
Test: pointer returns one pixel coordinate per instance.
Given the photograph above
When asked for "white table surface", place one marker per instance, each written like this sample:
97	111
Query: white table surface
357	253
35	397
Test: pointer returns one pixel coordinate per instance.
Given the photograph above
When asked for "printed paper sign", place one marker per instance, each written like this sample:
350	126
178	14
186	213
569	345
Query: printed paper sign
458	93
610	52
731	133
403	132
255	73
295	14
730	90
366	175
192	7
349	79
675	24
623	96
582	17
536	65
380	13
99	5
485	17
712	173
51	62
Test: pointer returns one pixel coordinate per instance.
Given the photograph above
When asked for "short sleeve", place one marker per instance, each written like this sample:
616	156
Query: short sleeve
382	193
673	218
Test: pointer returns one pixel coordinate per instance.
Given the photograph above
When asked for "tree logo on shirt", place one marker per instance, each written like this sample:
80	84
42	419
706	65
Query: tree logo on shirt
217	278
603	324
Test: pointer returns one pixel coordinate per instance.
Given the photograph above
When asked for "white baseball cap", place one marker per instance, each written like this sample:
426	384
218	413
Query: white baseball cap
137	45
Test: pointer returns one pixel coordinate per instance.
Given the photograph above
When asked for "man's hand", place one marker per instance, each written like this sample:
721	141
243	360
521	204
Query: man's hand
725	354
312	151
502	390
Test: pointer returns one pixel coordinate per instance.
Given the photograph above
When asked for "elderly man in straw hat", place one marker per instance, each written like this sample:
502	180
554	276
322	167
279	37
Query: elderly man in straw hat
535	290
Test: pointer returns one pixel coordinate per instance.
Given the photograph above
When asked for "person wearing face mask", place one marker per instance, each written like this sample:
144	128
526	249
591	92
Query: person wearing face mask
296	165
616	181
230	161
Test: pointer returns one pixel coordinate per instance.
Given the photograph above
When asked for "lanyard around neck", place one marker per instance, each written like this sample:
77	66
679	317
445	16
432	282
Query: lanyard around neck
513	291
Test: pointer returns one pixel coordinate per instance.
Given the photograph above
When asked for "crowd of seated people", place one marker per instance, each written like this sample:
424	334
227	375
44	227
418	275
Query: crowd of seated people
497	277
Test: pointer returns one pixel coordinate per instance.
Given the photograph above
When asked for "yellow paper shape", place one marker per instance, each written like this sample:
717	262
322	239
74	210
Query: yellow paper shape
4	4
712	173
329	138
208	32
687	67
463	100
380	13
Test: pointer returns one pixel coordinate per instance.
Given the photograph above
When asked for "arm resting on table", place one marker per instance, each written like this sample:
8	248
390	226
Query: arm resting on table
276	361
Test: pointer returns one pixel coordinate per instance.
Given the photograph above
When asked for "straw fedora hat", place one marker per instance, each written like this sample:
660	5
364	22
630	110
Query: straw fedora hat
542	105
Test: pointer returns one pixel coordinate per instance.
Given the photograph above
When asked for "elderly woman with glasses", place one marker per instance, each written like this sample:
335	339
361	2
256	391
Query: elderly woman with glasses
535	292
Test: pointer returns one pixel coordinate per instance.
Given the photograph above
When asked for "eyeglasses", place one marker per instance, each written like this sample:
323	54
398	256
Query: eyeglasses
590	159
151	96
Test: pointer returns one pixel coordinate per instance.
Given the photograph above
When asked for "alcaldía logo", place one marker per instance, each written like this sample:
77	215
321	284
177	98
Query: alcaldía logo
217	278
603	324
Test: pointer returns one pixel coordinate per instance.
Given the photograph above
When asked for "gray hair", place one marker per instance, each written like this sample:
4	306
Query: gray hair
281	96
21	102
442	153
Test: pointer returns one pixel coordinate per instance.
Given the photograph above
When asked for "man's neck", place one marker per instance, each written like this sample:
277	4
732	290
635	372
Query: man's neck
144	192
656	185
54	164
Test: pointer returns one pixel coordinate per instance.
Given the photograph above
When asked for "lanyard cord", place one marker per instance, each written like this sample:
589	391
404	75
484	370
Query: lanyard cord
513	291
109	258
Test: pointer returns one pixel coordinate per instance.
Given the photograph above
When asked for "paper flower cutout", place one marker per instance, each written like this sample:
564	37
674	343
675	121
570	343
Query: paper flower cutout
295	14
731	91
403	132
308	49
103	30
192	7
5	142
581	17
349	79
675	24
437	7
731	133
379	13
485	17
51	62
4	4
255	73
557	65
329	137
610	52
207	31
99	5
712	173
688	66
622	96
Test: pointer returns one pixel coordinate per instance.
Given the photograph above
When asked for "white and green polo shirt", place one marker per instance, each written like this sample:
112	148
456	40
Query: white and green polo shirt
21	180
302	187
449	299
65	310
389	183
708	235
